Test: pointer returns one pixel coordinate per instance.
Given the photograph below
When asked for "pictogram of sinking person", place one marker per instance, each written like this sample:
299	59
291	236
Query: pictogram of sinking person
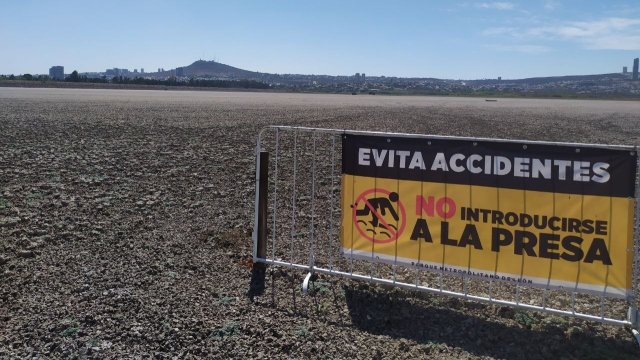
377	218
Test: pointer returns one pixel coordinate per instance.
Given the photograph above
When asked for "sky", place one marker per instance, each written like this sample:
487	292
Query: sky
441	39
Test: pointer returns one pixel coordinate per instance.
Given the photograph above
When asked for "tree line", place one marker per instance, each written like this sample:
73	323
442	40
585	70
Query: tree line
171	81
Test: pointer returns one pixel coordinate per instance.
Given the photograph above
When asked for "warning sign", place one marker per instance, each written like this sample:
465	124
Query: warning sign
379	216
545	215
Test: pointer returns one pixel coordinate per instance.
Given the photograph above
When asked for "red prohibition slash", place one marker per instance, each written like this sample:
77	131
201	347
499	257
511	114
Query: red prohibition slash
377	219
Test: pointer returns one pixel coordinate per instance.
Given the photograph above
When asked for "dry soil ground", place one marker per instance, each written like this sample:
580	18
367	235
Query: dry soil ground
125	231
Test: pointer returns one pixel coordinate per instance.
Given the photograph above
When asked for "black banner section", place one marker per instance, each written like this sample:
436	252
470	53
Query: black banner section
540	167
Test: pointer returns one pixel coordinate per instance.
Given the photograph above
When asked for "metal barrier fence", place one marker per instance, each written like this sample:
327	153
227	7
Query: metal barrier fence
298	219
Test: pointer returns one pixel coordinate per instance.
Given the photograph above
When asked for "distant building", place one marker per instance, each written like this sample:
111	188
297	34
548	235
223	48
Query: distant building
363	77
499	78
624	69
180	71
117	72
56	72
142	70
91	75
635	68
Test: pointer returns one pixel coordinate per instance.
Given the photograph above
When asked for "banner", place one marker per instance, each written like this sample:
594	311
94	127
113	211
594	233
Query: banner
537	214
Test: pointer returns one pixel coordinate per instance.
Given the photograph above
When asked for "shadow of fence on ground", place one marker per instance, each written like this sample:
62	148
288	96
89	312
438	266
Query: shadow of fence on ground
391	314
257	285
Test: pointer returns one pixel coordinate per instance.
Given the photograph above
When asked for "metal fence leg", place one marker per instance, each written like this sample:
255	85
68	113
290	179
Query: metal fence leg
305	283
263	188
633	319
260	236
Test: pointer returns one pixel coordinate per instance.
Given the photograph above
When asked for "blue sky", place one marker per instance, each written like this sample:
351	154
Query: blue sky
443	39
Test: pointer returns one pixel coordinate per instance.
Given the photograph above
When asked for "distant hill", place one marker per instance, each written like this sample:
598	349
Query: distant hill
551	79
212	68
202	68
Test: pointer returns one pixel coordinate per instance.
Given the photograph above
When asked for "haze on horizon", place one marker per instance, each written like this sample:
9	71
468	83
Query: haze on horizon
441	39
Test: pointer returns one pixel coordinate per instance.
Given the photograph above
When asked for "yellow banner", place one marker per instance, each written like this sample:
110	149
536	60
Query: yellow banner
579	242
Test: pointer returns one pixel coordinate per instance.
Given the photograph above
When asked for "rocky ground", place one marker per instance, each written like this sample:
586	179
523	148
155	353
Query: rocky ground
126	219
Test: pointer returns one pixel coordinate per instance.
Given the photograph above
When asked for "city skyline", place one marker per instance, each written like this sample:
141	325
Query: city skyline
449	40
180	71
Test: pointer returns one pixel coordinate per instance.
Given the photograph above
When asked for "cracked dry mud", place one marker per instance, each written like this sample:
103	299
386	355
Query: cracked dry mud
126	217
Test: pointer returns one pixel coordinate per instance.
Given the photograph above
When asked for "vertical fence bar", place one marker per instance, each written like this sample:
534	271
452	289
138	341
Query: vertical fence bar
259	267
293	192
419	241
263	188
256	222
312	253
275	196
332	199
633	308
